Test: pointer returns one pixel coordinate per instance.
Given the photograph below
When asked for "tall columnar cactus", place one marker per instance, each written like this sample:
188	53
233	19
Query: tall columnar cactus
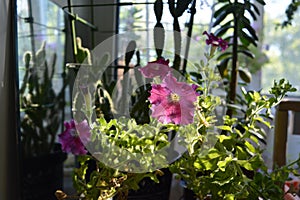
41	106
176	10
159	31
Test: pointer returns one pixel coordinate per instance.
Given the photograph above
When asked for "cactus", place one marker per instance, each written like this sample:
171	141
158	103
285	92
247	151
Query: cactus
41	106
102	102
83	54
176	10
159	31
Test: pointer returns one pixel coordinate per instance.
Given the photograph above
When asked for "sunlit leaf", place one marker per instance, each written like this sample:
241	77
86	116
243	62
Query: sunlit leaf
223	15
245	75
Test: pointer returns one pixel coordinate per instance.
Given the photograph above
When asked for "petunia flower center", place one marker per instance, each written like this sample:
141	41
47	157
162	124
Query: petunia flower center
156	67
174	97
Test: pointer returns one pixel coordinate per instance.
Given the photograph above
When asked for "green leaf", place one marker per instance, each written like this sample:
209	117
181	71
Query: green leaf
250	147
246	24
245	38
83	159
247	53
260	135
222	164
224	128
223	15
262	2
229	197
243	48
223	180
234	106
207	164
254	139
255	8
222	9
224	56
213	153
154	177
224	28
245	75
197	165
260	119
222	67
246	164
253	15
198	76
258	98
241	153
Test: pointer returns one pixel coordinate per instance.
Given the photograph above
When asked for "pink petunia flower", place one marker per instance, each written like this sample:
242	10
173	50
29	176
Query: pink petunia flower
215	41
159	67
74	137
172	101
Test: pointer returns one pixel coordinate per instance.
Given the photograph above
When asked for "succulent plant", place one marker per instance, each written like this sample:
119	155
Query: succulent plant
41	106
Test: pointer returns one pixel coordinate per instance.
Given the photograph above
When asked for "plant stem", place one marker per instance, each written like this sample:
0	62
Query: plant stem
177	43
234	68
189	35
202	118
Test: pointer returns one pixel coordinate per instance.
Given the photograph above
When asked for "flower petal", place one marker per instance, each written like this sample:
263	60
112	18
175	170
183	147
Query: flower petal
158	94
169	110
69	139
159	67
83	130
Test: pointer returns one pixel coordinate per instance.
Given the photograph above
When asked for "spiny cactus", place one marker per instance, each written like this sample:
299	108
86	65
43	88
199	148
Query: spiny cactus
41	106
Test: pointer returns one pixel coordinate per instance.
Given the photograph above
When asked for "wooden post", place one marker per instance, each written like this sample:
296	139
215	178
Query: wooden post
281	126
280	137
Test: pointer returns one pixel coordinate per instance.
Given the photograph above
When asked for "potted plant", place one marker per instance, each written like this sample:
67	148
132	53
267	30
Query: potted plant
42	108
233	168
223	158
97	177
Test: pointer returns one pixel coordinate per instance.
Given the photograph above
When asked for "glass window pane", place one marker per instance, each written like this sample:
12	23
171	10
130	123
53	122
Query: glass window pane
281	46
140	20
41	46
